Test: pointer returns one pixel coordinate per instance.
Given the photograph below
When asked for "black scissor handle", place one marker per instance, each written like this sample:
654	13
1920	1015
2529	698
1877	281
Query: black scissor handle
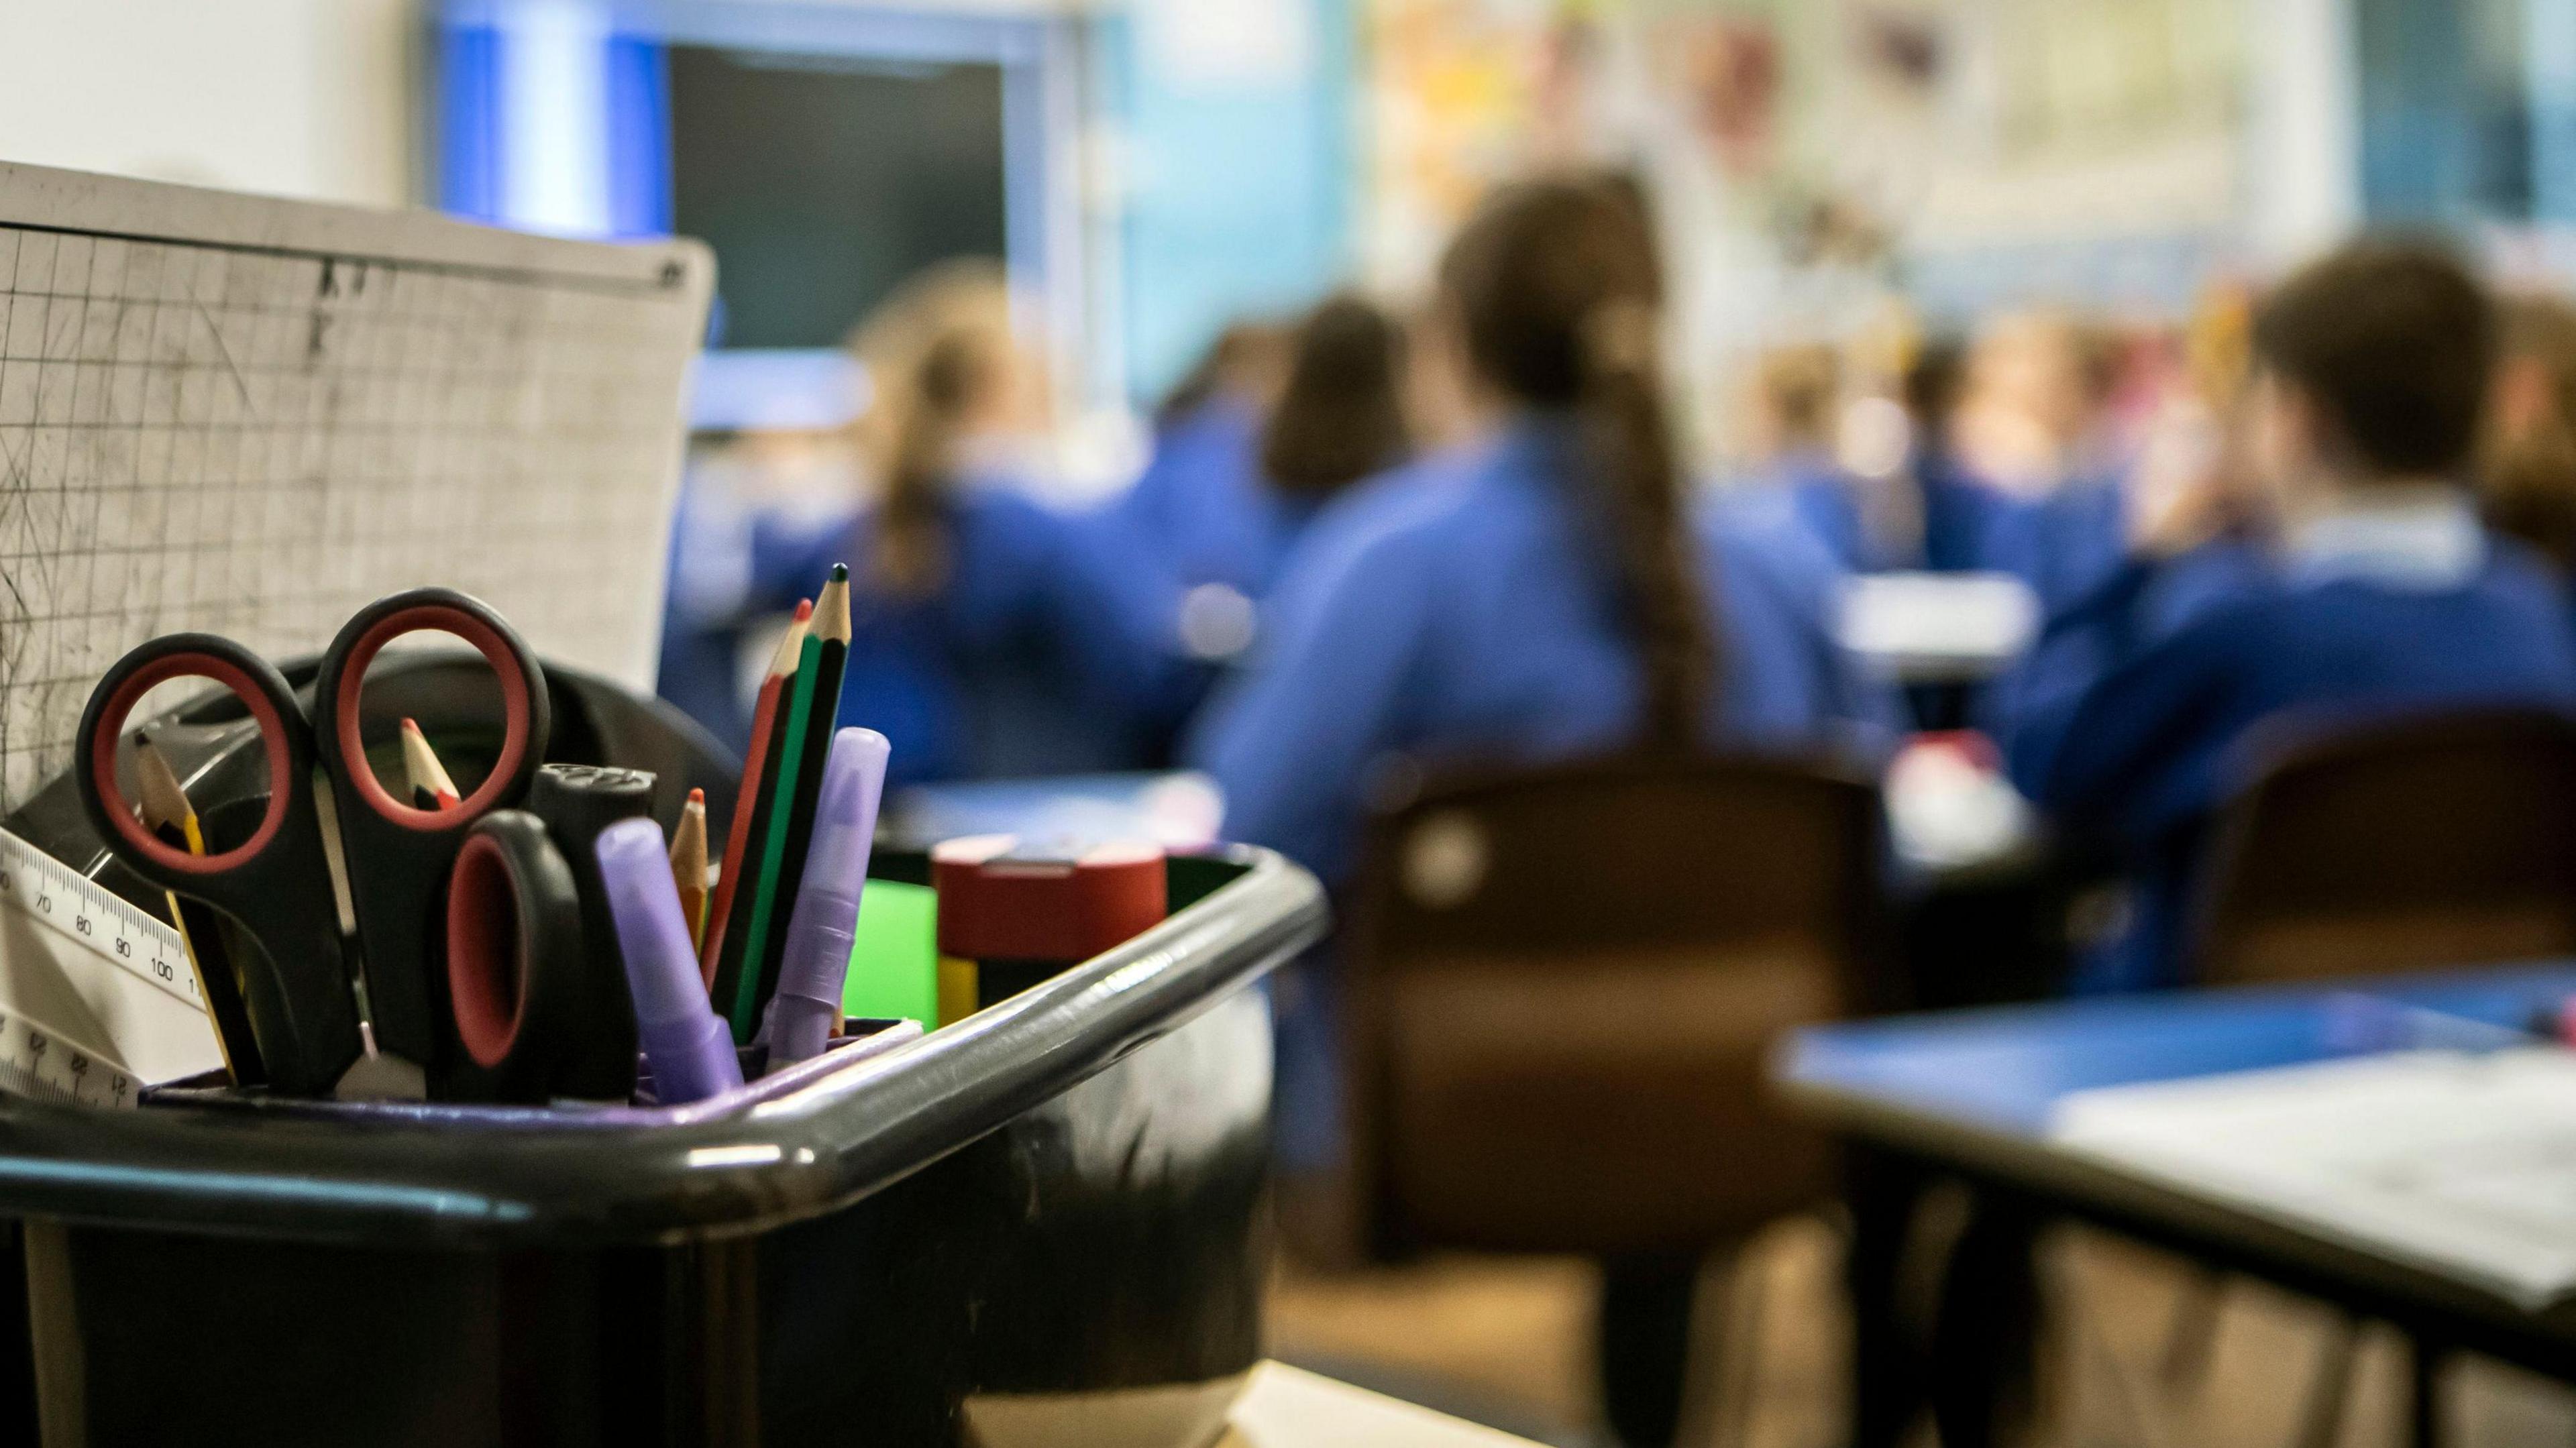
526	715
276	885
514	962
400	857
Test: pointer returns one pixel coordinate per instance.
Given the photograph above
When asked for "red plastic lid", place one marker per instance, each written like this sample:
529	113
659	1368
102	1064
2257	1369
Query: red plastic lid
1005	898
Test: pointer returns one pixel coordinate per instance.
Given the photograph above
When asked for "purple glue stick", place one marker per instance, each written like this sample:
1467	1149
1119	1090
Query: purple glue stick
817	960
687	1044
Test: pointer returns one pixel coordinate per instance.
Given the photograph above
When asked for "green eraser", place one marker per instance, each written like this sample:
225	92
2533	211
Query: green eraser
894	956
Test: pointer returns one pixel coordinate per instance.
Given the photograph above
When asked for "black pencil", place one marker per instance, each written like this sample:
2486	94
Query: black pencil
832	628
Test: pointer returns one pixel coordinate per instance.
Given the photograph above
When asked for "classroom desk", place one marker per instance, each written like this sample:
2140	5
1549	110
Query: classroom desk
1938	628
1970	1093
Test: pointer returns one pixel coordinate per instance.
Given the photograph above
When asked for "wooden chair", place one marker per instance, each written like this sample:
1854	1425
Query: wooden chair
1564	984
2402	845
2405	844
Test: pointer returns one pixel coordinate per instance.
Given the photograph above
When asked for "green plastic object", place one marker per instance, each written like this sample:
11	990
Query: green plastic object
894	958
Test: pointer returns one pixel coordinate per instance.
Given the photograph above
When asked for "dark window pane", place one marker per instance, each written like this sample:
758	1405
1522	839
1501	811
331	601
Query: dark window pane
822	183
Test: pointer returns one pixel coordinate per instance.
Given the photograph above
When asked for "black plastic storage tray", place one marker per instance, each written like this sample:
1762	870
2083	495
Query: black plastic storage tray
1053	1211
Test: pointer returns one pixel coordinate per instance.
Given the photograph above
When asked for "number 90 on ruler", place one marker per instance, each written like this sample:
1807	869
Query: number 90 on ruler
61	931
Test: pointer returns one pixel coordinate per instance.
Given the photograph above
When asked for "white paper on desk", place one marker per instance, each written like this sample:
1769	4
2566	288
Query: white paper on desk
2464	1164
1934	623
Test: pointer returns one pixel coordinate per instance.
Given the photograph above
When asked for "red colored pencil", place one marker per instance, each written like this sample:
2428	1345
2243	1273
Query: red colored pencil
430	786
782	666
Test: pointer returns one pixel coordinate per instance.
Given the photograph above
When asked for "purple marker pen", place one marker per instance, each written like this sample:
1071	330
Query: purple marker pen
687	1043
808	1001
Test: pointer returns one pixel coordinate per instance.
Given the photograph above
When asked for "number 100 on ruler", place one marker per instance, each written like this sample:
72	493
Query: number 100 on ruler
94	948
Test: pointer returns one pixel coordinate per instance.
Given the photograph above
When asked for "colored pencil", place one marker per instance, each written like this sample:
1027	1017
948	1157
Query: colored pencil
813	746
689	866
739	998
167	814
720	957
431	788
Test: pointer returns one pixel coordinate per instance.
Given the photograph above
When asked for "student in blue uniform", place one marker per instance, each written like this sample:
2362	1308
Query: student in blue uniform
1929	513
993	636
1234	482
1537	594
2373	589
1206	431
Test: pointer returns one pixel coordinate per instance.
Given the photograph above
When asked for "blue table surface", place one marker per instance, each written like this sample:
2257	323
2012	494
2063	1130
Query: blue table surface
2006	1068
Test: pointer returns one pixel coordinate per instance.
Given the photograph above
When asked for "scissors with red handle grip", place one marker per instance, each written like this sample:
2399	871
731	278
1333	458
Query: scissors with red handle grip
276	885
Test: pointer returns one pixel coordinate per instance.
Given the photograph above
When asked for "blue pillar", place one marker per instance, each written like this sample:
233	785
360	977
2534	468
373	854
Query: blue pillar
2549	61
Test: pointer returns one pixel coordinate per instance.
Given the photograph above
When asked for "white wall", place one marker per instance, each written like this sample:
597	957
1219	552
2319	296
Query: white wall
305	98
2303	151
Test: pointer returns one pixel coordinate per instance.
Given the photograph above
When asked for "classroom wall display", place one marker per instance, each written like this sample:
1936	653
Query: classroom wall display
252	416
1818	164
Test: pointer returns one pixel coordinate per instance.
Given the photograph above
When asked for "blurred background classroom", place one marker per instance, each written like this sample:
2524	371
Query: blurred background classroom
1110	341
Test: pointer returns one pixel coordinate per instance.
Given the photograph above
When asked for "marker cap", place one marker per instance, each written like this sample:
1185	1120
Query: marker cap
807	1003
690	1049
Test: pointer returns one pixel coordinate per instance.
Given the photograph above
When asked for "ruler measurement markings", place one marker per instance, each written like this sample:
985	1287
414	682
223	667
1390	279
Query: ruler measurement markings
93	916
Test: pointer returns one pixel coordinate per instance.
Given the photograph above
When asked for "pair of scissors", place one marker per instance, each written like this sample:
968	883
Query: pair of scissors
276	885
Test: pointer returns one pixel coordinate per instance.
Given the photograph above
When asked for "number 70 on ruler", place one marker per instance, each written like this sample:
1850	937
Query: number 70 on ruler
94	917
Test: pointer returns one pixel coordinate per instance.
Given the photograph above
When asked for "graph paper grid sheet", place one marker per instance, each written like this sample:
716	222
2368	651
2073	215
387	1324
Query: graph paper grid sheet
251	417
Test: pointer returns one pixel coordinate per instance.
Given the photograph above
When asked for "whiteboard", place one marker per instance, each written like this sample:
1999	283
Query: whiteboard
252	416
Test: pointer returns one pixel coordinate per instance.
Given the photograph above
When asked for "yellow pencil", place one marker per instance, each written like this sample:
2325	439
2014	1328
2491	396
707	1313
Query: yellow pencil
167	813
689	865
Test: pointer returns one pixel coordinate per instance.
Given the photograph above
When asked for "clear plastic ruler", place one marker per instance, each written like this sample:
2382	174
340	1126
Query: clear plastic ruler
98	992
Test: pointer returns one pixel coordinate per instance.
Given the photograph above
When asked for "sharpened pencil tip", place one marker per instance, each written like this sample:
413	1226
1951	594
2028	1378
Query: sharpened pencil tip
164	802
840	573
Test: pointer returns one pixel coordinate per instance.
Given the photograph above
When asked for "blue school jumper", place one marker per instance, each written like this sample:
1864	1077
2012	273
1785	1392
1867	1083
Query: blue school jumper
1039	653
1968	526
2127	723
1203	508
2067	544
1464	607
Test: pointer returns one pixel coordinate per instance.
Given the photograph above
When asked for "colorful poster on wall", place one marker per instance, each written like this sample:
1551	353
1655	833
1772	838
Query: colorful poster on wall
1463	93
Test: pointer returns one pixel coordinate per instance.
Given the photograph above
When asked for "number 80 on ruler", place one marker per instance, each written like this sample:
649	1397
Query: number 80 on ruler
94	917
37	1060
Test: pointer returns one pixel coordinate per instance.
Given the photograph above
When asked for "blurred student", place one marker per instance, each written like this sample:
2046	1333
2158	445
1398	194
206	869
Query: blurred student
2528	467
1877	482
2077	536
2034	409
1536	593
1236	481
993	635
764	440
1204	429
1796	392
1240	368
2372	589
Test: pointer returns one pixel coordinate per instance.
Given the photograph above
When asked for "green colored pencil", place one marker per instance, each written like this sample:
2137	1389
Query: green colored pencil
832	628
744	1012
